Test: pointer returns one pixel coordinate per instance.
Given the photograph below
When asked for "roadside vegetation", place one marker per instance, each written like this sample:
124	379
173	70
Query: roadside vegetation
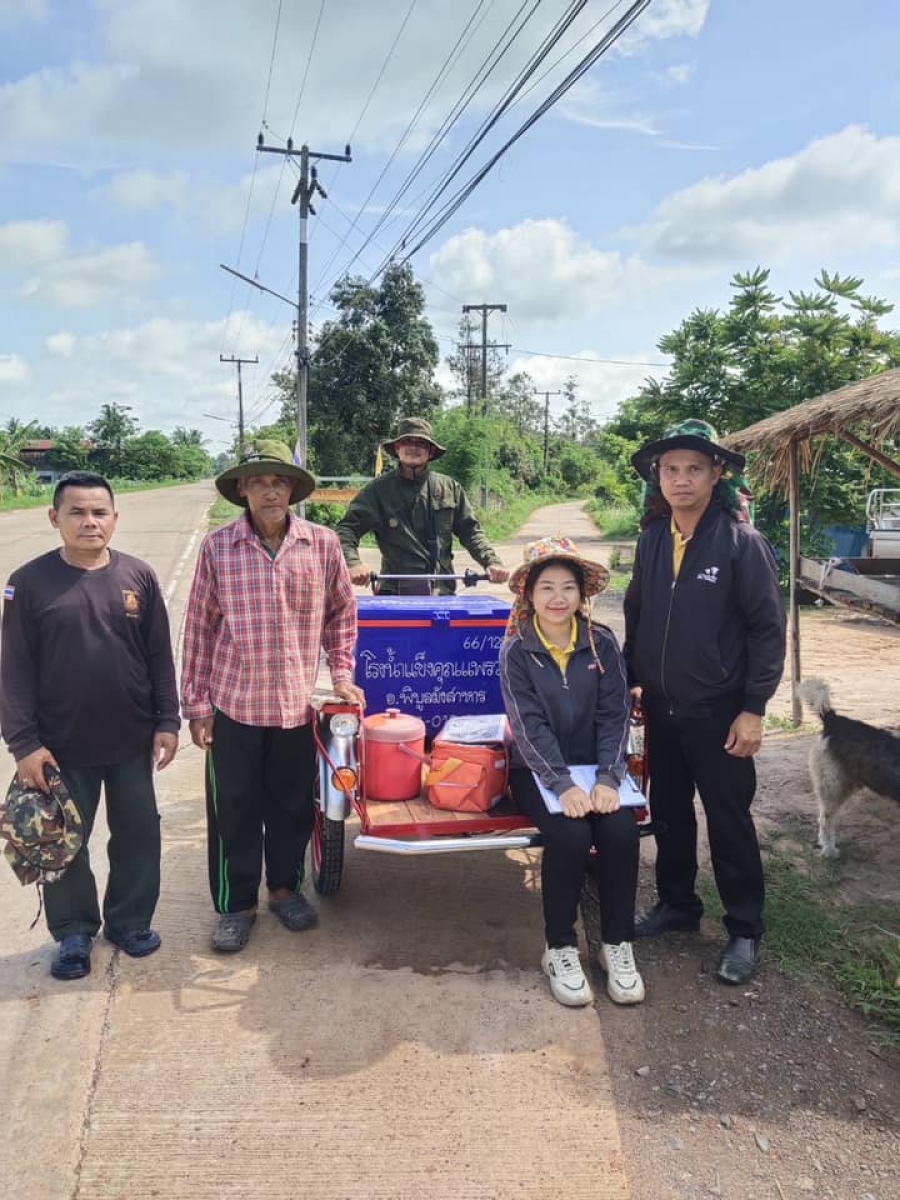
813	933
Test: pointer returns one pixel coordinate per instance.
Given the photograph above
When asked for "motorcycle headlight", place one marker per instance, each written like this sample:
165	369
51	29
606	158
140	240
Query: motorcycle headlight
344	724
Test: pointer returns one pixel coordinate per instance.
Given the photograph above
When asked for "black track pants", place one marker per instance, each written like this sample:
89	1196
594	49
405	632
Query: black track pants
688	753
259	803
567	848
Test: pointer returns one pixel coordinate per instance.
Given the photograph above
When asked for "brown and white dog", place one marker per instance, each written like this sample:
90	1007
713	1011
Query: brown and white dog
850	755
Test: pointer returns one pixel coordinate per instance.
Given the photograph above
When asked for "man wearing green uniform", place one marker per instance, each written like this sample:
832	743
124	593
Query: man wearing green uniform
414	513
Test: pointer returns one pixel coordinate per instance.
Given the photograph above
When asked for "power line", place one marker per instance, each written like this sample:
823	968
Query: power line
265	110
456	201
611	362
456	111
537	57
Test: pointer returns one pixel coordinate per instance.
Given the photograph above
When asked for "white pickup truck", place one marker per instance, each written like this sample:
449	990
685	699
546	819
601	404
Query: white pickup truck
883	523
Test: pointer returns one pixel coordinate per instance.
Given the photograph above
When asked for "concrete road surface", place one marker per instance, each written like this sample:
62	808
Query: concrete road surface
406	1048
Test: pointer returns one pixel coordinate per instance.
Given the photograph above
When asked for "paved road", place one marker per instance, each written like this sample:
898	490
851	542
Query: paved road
408	1047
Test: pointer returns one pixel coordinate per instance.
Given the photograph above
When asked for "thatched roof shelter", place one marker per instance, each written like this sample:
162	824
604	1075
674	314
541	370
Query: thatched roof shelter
866	414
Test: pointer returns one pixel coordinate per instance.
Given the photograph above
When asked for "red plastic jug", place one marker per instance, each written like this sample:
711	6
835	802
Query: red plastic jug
393	749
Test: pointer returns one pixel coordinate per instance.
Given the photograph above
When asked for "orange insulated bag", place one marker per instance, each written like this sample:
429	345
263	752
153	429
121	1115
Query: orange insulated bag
466	778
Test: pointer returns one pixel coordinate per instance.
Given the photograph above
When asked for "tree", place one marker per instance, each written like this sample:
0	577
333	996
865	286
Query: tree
466	364
14	437
70	449
759	357
186	437
110	431
373	364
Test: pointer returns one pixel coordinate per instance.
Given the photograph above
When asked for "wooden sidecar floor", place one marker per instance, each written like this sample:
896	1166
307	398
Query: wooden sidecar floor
418	818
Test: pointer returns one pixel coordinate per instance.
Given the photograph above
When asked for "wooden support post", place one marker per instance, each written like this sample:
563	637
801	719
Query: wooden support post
794	598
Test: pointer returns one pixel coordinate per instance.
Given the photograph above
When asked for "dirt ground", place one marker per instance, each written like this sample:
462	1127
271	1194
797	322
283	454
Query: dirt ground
780	1089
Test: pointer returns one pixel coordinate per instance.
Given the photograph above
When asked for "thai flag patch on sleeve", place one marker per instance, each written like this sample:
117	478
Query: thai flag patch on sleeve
8	592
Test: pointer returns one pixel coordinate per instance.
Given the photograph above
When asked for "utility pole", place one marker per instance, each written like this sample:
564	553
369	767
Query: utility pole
238	362
547	396
484	309
307	186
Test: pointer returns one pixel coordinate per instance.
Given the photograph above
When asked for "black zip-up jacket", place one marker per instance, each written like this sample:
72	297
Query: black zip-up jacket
582	717
714	636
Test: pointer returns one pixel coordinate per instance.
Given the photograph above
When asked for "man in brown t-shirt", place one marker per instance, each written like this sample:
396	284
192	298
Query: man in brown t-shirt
87	687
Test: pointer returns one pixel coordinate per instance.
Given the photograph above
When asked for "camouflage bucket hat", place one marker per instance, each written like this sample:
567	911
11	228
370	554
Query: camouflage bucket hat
687	435
43	830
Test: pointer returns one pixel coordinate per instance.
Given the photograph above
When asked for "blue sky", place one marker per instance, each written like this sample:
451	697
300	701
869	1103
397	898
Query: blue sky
716	136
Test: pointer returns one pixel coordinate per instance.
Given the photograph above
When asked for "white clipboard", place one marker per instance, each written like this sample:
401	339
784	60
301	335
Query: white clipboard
585	776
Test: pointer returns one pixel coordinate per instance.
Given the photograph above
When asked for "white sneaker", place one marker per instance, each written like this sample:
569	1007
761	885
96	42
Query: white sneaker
562	966
623	980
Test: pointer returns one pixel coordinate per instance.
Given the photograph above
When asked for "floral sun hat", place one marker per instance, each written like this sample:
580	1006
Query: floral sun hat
544	550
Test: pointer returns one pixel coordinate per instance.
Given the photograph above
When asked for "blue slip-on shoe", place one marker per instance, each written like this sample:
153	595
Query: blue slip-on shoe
137	943
73	959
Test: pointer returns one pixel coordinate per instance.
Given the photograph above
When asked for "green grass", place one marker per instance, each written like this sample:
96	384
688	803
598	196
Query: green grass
221	512
498	524
615	520
812	933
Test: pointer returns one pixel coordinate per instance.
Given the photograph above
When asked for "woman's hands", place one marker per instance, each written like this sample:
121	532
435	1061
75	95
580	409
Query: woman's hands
578	803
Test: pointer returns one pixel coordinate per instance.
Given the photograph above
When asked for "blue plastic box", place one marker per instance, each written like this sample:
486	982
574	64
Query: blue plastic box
432	656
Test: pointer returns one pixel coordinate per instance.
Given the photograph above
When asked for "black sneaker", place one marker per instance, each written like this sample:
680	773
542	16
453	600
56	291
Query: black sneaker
739	961
664	918
73	959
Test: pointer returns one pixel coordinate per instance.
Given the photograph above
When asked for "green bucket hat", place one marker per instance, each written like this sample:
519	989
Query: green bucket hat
265	457
414	427
687	435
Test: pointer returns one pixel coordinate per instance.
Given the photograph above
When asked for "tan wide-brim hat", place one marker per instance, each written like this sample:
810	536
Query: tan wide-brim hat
265	457
414	427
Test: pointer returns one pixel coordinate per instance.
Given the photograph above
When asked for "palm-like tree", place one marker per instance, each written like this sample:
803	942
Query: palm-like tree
13	438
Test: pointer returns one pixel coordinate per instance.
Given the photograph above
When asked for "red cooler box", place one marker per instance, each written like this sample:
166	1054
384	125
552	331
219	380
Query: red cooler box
434	656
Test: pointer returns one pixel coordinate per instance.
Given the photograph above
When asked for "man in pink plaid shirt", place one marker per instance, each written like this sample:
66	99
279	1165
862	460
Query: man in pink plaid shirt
270	592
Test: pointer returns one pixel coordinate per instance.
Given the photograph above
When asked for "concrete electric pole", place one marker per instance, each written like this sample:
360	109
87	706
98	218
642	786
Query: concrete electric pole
238	362
547	396
484	309
307	186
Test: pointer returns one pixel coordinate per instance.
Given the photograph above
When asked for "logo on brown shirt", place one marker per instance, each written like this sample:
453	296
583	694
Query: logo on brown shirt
132	603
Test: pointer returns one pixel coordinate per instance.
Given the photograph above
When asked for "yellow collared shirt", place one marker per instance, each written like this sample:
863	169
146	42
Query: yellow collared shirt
679	545
560	656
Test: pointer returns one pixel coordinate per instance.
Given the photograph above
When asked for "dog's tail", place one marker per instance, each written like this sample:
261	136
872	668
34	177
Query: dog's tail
816	695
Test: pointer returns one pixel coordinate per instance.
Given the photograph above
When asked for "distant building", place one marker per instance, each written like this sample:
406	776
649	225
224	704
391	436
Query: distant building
36	454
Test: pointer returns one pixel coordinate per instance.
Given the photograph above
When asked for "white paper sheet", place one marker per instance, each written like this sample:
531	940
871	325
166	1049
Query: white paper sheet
630	795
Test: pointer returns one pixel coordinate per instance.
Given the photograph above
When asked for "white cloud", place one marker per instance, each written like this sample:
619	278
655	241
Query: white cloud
679	73
841	191
28	243
88	279
173	73
544	271
167	370
666	19
61	343
603	385
142	189
13	369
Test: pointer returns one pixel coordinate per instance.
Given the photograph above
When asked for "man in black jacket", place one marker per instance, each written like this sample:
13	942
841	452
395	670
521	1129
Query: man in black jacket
705	644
